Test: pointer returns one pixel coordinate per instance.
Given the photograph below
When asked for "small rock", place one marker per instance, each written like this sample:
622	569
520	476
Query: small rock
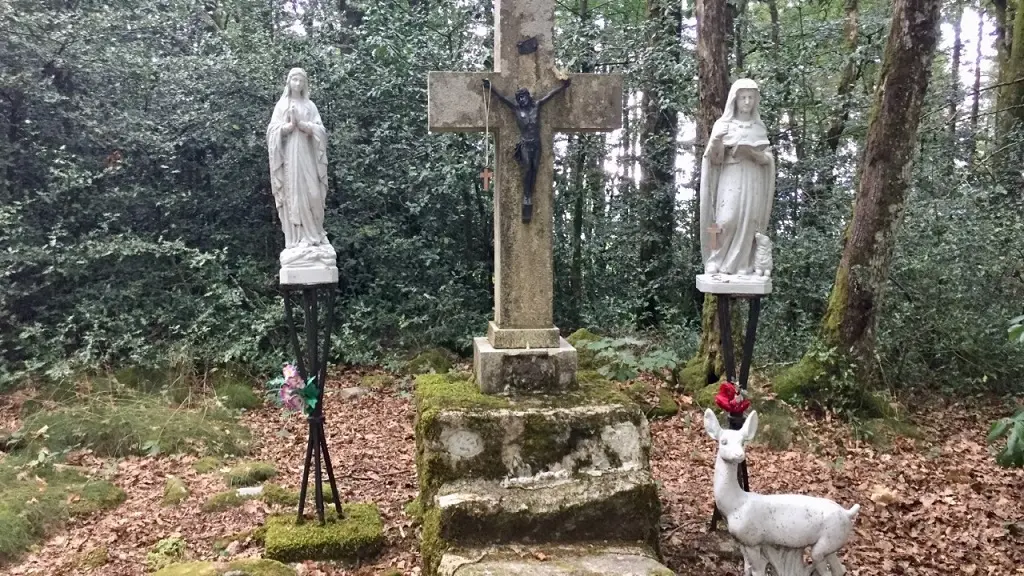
353	393
233	548
235	573
249	491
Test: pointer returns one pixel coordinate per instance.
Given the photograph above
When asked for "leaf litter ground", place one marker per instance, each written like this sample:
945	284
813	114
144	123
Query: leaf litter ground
936	505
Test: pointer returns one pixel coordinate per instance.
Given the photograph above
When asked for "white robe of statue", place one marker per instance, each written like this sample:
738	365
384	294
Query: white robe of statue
737	189
297	146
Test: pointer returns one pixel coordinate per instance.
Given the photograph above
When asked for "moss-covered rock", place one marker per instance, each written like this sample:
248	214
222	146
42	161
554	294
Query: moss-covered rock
175	491
586	359
433	361
93	558
222	501
463	433
357	536
249	474
207	464
246	566
705	396
667	406
377	381
413	509
694	376
165	552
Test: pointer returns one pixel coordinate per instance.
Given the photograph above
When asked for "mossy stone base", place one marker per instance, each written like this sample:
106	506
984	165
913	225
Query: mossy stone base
535	370
612	506
358	536
247	566
578	560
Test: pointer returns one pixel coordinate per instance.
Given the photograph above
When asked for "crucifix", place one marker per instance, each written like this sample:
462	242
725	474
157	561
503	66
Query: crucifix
485	175
714	230
523	60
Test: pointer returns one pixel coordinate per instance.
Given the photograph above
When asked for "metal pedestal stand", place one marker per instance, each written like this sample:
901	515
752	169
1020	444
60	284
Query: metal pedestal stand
316	443
725	327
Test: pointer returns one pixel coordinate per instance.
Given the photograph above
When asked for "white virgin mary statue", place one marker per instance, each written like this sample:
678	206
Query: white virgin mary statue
737	189
297	145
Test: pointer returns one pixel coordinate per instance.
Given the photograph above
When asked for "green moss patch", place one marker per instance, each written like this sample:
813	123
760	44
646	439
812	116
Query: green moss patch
238	396
222	501
134	425
358	536
249	474
433	361
175	491
165	552
207	464
35	498
93	558
246	566
586	359
377	381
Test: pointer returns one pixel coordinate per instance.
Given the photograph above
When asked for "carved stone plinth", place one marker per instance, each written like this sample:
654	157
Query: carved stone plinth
524	370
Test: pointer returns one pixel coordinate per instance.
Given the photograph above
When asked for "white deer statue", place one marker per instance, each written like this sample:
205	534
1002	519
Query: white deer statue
775	528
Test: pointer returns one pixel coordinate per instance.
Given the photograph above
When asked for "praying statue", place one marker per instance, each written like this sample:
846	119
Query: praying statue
297	145
737	189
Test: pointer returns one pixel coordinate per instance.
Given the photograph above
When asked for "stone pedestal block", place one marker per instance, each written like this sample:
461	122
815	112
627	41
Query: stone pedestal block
510	371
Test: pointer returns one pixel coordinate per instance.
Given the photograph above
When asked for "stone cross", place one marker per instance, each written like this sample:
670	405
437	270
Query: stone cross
523	253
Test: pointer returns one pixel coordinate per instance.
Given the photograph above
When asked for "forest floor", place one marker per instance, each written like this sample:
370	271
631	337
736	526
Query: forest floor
932	504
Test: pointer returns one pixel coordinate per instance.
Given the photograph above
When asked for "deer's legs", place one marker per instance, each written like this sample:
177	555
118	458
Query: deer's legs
754	563
834	565
821	557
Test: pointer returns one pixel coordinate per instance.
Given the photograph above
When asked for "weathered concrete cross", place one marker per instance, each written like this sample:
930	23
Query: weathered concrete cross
523	254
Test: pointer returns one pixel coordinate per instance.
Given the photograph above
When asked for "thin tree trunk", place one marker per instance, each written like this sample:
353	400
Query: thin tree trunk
579	187
954	88
852	315
713	88
972	146
657	162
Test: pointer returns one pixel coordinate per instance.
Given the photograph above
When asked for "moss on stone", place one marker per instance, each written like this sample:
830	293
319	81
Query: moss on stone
165	552
207	464
260	567
377	381
188	569
280	496
414	510
174	491
586	359
432	545
432	361
667	406
94	558
693	376
794	382
358	536
705	396
249	474
223	501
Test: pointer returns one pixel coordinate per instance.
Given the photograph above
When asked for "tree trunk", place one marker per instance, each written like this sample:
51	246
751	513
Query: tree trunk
954	88
972	147
848	328
713	88
657	161
579	187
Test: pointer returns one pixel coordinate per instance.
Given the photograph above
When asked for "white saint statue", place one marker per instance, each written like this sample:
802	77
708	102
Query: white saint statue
297	145
737	189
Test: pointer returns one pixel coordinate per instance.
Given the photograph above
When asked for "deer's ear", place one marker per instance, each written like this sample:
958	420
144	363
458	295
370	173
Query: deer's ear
711	425
749	427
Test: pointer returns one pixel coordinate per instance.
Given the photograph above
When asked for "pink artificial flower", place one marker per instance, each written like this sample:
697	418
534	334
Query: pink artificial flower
290	372
289	396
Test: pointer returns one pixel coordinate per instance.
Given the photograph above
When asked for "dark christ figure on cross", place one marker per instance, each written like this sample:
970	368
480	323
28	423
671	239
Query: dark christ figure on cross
527	112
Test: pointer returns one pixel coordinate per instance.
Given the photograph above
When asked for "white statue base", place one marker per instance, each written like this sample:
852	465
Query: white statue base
734	284
308	265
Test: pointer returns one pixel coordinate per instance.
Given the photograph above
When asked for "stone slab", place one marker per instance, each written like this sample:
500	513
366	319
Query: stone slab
522	337
599	560
356	537
734	284
619	506
511	371
308	276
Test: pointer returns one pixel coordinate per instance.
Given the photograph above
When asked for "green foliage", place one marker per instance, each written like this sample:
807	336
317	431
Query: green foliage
825	379
134	424
38	494
377	381
624	358
1012	454
249	474
165	552
1016	330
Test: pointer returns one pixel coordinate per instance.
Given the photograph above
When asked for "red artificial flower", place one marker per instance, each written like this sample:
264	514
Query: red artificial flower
726	399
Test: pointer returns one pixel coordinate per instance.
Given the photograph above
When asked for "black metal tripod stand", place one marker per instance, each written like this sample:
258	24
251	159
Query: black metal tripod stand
316	443
725	327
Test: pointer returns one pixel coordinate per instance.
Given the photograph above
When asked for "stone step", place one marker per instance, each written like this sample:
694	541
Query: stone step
462	433
619	506
574	560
